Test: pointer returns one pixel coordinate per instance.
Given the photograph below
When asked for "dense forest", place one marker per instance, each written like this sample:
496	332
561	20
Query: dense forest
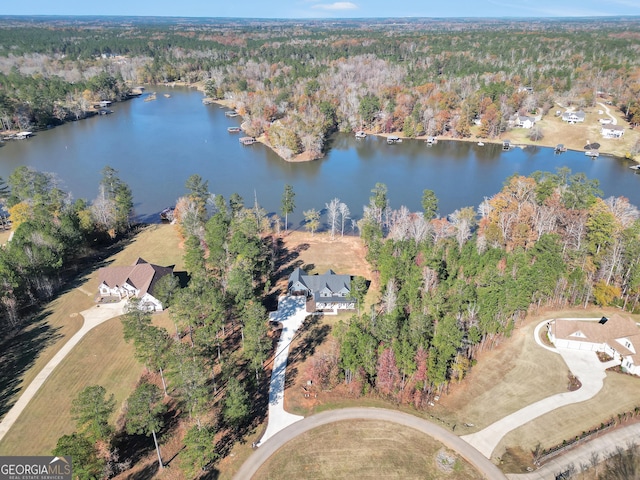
54	236
454	285
296	82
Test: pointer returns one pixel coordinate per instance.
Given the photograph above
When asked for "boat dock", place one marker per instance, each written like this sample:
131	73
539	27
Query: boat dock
360	135
431	140
592	153
560	148
230	114
233	129
506	144
247	140
391	140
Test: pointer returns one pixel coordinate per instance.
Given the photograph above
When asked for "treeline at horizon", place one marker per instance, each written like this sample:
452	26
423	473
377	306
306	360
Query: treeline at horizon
298	82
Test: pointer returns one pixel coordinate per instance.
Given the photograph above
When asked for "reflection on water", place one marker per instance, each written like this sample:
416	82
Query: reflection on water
156	145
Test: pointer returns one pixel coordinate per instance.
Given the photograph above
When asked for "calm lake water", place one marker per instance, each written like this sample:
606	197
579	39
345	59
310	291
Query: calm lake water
157	145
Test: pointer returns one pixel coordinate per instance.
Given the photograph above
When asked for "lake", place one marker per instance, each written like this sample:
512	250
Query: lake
157	145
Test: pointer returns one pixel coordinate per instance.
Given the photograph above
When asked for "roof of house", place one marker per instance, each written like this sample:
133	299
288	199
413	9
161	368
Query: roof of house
141	275
614	328
578	114
329	282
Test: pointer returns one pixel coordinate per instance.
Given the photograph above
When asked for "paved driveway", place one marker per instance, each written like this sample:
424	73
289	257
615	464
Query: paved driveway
584	365
291	314
93	317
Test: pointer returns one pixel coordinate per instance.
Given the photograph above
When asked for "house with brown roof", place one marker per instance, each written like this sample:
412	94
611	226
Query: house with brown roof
134	281
617	336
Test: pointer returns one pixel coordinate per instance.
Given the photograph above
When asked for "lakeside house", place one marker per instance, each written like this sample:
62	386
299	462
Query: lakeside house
612	131
616	336
522	121
574	117
328	291
133	281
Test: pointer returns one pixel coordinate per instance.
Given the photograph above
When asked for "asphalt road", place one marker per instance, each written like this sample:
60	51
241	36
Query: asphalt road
466	451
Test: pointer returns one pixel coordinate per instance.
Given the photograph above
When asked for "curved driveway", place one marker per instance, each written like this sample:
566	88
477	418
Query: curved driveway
614	121
269	447
583	364
93	317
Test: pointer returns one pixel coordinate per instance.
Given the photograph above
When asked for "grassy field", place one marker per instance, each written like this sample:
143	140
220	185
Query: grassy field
102	357
510	377
4	235
514	374
621	393
362	450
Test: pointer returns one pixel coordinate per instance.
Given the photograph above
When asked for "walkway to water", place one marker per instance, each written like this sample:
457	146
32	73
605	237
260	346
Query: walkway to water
93	317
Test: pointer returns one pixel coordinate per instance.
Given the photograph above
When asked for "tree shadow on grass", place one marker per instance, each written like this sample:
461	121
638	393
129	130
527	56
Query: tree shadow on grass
18	353
311	336
149	471
135	447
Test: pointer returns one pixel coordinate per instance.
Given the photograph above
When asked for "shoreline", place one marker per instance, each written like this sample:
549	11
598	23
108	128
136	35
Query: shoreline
520	143
306	157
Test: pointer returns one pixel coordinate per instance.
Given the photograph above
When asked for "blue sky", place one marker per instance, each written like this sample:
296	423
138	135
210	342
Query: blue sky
327	8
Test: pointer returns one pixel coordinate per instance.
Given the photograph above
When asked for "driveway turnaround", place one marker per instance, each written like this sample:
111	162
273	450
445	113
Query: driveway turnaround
583	364
291	314
466	451
93	317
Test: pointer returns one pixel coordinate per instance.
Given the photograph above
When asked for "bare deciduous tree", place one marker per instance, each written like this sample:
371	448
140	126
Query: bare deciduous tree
333	210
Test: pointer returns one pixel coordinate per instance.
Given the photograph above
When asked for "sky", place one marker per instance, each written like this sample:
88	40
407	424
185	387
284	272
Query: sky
327	8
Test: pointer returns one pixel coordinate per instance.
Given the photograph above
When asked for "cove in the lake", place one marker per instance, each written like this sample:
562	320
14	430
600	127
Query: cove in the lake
157	145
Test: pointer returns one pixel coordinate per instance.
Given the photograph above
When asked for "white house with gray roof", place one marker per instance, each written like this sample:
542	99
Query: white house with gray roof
328	291
612	131
574	117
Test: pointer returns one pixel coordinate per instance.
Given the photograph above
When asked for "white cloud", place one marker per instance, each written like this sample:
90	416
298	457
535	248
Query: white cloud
336	6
